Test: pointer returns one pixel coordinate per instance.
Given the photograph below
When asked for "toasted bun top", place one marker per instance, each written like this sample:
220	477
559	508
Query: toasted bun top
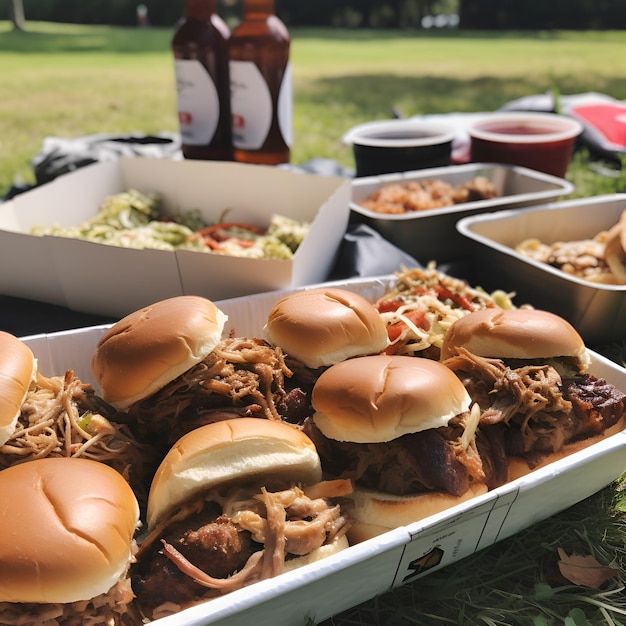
323	326
149	348
231	452
17	370
66	530
515	334
373	399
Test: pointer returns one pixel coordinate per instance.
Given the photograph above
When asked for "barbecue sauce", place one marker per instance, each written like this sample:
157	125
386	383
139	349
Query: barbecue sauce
261	91
200	48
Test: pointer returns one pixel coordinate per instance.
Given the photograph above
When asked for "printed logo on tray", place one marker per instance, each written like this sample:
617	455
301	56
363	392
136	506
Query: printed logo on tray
455	538
424	563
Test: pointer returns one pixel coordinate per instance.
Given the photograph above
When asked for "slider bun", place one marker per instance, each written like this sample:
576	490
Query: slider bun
320	327
515	334
66	530
17	370
338	544
231	452
372	399
375	512
149	348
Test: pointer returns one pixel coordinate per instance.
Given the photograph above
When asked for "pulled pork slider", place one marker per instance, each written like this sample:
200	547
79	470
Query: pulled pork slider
59	416
66	544
234	502
169	368
527	370
149	348
402	429
323	326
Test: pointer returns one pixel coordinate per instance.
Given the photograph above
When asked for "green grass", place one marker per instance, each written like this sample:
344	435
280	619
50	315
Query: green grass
69	80
72	80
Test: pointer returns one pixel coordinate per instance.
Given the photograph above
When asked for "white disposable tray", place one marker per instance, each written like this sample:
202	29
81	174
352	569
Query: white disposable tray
431	235
597	311
112	281
320	590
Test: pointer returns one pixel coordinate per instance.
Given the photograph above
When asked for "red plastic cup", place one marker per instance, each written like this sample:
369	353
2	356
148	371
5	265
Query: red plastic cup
540	141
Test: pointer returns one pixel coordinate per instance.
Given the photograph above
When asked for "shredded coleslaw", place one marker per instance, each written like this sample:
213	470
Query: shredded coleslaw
424	303
133	219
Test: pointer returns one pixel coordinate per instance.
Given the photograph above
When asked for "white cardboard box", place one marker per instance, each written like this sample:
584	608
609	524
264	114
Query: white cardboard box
112	281
320	590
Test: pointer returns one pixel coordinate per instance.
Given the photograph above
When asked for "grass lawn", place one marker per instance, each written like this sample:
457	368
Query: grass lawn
70	80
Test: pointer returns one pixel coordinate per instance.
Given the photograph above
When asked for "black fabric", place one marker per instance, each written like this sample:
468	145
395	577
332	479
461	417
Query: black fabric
364	252
22	317
61	156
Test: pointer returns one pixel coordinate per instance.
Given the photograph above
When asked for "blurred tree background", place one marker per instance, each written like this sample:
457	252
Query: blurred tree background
467	14
542	15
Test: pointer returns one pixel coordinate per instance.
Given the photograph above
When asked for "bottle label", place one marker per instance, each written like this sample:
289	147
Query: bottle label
198	102
250	104
285	107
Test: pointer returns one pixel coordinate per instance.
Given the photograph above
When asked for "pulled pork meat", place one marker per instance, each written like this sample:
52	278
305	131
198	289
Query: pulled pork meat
62	417
114	608
212	548
536	410
436	459
241	377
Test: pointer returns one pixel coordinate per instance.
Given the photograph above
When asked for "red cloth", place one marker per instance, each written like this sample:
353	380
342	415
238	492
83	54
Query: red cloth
607	118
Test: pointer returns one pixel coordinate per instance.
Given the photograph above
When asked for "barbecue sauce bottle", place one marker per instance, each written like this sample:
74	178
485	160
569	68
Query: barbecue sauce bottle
200	47
261	91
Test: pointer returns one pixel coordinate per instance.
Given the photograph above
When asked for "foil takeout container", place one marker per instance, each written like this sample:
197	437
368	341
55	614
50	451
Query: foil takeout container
431	235
597	310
